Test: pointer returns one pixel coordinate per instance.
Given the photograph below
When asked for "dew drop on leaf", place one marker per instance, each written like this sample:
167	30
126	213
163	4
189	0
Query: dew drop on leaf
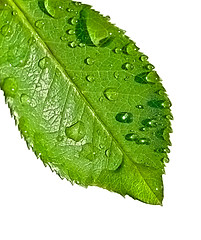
76	131
128	66
162	150
143	141
17	55
56	9
140	106
72	44
25	99
111	94
6	30
89	61
89	151
117	50
130	49
124	117
44	63
90	78
152	77
149	123
39	24
70	31
9	86
131	137
159	104
72	21
143	58
150	67
116	75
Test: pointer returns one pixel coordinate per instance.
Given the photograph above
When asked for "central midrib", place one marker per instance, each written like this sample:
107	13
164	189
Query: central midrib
59	64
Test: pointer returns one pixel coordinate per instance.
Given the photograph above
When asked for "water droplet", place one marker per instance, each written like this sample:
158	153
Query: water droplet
116	75
82	45
101	99
72	44
72	21
140	106
25	99
143	141
130	49
89	61
117	50
69	10
6	30
31	41
111	94
131	137
76	131
159	104
149	123
143	58
128	66
141	78
165	160
44	63
150	67
108	17
70	32
124	117
14	13
90	78
152	77
164	134
60	138
89	151
169	117
91	33
57	9
64	37
162	150
107	153
9	86
39	24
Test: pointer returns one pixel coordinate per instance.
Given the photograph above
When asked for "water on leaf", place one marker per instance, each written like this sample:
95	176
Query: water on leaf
89	151
89	61
9	86
143	141
6	30
152	77
149	123
17	55
44	63
111	94
159	104
76	131
25	99
131	137
90	78
72	44
140	106
39	24
56	9
124	117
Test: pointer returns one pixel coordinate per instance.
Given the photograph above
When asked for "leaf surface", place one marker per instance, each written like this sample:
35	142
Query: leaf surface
84	97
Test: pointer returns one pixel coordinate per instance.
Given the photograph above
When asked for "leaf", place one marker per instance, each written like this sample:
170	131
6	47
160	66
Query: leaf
85	99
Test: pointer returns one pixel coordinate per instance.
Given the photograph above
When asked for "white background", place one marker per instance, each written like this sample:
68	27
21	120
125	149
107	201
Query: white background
36	204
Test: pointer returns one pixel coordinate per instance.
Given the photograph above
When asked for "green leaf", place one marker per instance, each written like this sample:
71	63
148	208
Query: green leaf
84	97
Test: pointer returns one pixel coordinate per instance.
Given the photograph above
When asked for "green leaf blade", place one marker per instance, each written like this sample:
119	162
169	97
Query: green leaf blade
85	99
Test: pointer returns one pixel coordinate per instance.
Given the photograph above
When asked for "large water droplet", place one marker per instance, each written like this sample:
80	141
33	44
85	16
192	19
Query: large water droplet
93	33
39	24
149	122
17	55
143	141
44	63
57	9
6	30
131	137
25	99
152	77
89	61
76	131
159	104
9	86
111	94
124	117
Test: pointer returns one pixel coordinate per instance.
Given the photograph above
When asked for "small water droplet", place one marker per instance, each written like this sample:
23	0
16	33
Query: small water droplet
130	49
101	99
14	13
162	150
116	75
152	77
131	137
39	24
107	153
149	122
89	151
128	66
142	129
6	30
111	94
57	9
159	104
169	117
64	37
44	63
143	58
25	99
140	106
165	160
90	78
76	131
72	44
150	67
108	17
31	41
69	10
60	138
72	21
9	86
124	117
70	31
82	45
143	141
89	61
117	50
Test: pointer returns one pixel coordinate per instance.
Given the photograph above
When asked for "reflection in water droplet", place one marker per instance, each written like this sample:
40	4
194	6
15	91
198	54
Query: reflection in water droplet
124	117
57	9
76	131
143	141
90	78
111	94
44	63
159	104
131	137
140	107
89	61
72	44
149	122
25	99
39	24
9	86
143	58
6	30
162	150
